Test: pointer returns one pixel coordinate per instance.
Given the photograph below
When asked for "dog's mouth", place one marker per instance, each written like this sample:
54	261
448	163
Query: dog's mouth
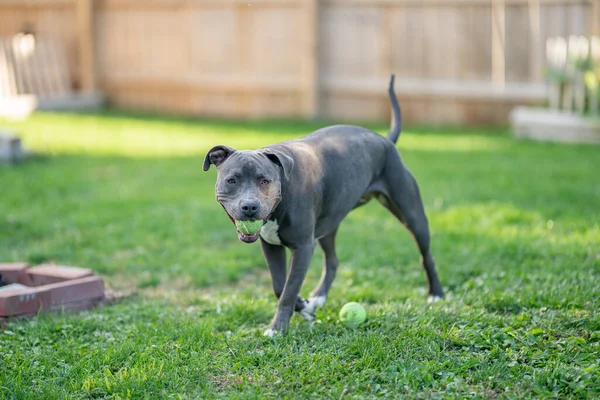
249	238
246	238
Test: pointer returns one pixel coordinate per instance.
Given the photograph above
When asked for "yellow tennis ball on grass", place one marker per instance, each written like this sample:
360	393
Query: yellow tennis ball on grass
353	314
249	227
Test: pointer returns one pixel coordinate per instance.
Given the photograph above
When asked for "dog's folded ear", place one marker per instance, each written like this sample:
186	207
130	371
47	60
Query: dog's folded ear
283	160
216	156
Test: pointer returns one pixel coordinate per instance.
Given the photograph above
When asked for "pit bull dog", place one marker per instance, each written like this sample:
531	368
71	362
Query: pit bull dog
302	189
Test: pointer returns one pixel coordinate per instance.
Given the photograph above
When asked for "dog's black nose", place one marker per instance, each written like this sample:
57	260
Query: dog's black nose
250	208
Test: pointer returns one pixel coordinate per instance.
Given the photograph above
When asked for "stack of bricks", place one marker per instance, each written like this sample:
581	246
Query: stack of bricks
29	290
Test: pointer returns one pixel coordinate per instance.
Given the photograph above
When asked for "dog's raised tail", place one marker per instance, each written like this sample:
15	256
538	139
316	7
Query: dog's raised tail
396	127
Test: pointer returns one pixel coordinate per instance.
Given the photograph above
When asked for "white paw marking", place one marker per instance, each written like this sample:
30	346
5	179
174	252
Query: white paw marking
433	299
270	332
318	301
309	312
269	232
307	315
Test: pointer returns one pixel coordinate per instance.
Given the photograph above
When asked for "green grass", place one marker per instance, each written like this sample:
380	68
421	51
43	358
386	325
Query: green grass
516	236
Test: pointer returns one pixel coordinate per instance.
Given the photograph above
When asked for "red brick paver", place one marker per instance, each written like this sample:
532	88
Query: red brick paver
23	301
49	287
45	274
11	272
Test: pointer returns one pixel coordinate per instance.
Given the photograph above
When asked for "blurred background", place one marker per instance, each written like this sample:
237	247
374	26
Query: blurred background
456	61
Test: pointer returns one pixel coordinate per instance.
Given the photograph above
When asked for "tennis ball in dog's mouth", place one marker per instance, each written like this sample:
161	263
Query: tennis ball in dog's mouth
249	227
353	314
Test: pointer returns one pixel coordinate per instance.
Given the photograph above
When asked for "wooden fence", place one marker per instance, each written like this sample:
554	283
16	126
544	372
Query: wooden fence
456	61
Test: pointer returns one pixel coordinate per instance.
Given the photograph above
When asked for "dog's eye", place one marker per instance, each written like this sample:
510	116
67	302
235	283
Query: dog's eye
232	181
265	182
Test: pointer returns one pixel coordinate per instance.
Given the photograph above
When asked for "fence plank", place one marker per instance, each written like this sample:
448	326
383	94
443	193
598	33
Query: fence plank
311	59
595	17
293	57
498	42
445	3
85	41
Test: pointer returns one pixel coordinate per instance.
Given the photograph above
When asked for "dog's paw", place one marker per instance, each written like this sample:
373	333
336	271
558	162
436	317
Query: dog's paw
318	301
271	333
309	312
434	299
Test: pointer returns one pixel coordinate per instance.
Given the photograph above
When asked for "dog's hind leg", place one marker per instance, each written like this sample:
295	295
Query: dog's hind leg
403	199
330	265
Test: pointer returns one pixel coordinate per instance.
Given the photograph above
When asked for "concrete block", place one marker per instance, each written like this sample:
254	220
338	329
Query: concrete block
554	125
17	108
10	148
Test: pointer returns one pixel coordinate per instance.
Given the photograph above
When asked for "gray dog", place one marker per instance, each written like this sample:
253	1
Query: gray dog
302	189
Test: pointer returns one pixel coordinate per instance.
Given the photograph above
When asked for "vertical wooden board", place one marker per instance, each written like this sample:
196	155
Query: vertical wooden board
60	24
432	43
385	42
547	26
177	103
274	105
137	47
12	20
349	37
344	107
485	113
114	35
309	58
594	14
60	69
517	47
105	45
40	68
498	42
536	43
448	49
63	55
163	44
408	52
213	104
84	22
479	43
8	84
462	53
212	41
556	19
577	21
274	42
415	111
118	28
446	111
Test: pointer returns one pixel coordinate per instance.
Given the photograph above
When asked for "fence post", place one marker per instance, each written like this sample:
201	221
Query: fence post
311	86
536	65
596	18
498	40
84	14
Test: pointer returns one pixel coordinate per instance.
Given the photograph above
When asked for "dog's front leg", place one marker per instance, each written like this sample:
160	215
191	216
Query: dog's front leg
275	257
301	256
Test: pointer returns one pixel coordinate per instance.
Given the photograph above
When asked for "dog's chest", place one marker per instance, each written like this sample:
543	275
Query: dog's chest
270	232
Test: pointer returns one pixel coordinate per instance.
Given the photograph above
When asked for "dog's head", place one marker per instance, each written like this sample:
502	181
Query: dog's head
248	182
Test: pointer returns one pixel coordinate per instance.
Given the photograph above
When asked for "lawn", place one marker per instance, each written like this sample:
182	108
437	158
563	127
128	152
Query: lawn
515	232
